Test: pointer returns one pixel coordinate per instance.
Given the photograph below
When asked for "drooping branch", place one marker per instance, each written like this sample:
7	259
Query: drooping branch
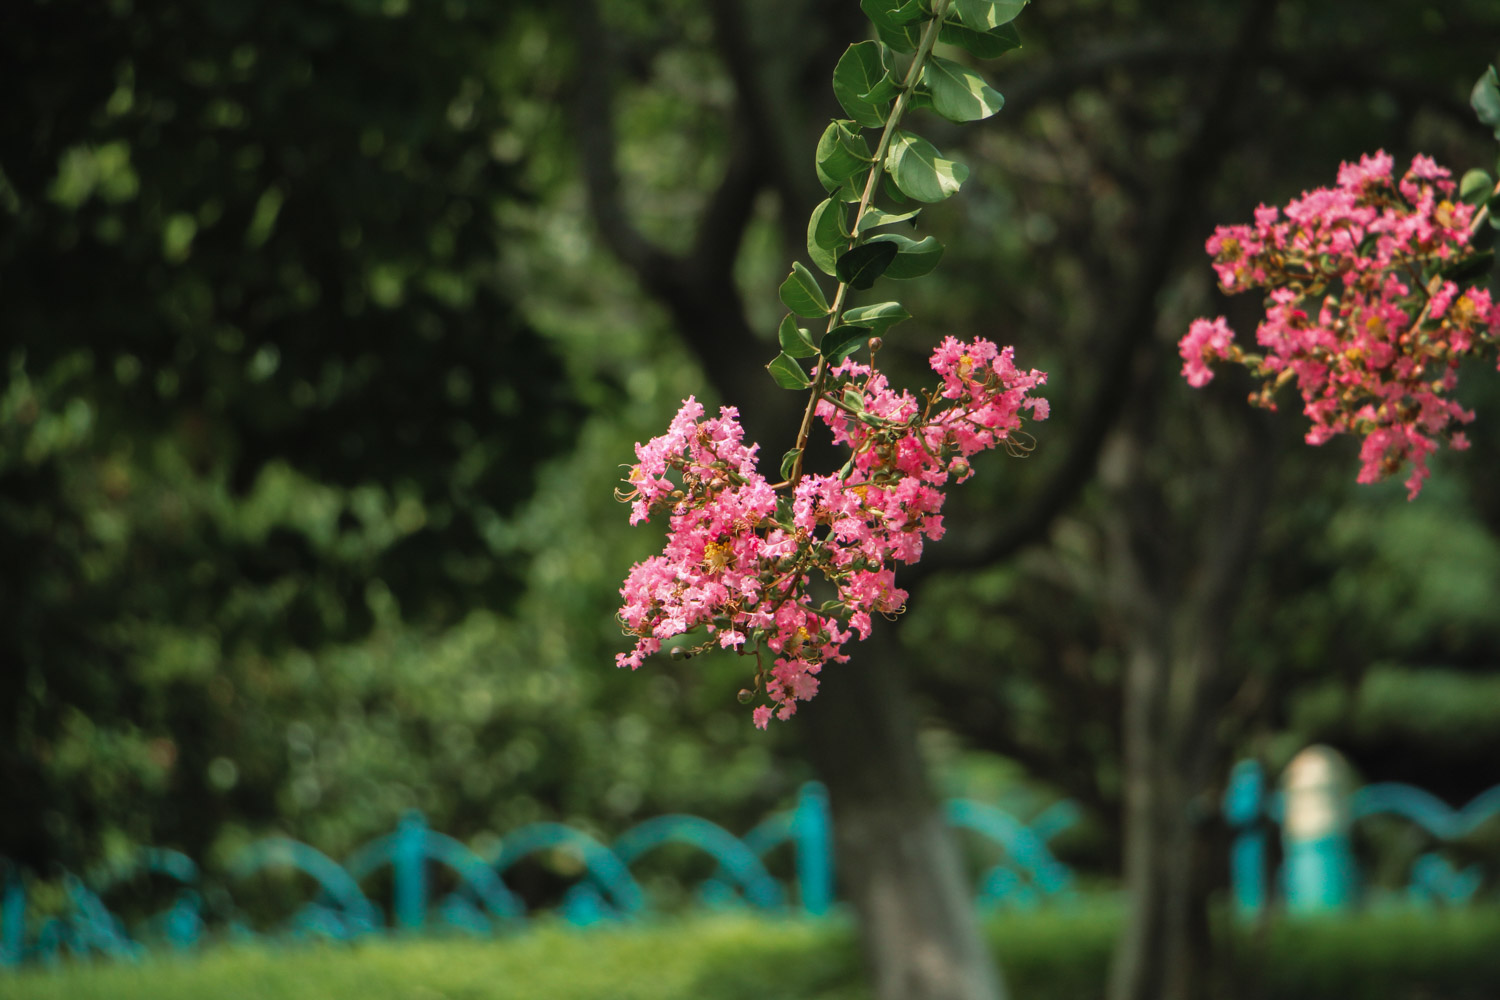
593	109
1208	143
698	288
866	200
1323	71
1152	53
780	136
716	244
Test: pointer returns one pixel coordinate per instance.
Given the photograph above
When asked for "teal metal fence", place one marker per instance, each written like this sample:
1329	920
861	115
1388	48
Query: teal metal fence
1294	847
437	883
1318	820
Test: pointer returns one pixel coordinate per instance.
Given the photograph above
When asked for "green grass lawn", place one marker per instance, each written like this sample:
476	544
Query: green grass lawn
1058	954
719	957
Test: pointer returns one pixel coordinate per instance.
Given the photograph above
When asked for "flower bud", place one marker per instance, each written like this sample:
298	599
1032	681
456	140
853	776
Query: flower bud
746	696
681	653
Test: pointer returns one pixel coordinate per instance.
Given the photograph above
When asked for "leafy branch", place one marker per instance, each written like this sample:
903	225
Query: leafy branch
875	90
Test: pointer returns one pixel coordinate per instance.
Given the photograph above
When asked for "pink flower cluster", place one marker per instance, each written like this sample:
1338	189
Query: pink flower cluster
741	559
1360	310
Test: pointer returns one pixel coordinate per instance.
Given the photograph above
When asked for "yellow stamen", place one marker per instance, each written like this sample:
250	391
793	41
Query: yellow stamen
717	556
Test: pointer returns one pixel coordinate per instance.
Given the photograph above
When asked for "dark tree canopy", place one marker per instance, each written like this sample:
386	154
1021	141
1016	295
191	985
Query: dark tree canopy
249	255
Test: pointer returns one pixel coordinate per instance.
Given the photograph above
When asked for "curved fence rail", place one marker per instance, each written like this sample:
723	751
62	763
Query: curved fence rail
1319	815
417	858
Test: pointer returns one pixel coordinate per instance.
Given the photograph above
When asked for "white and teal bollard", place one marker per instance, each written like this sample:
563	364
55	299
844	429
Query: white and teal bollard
1318	874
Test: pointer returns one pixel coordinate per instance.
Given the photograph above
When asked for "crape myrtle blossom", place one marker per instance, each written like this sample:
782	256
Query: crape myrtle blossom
1364	310
742	556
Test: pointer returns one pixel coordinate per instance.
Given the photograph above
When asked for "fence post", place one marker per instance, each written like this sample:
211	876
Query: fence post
1319	865
12	918
409	871
814	833
1244	801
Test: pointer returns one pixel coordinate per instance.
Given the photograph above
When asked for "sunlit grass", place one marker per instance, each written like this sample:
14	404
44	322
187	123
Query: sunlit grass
1060	953
721	957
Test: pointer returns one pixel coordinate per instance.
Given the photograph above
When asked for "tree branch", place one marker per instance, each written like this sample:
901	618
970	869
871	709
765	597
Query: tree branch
1357	71
697	289
1207	145
773	135
593	111
721	230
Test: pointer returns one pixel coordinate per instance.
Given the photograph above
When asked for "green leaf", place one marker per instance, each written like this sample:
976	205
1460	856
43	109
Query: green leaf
1475	187
903	39
858	74
888	86
1461	270
981	44
879	11
896	23
888	185
913	258
958	93
1485	99
879	317
874	218
983	15
787	373
789	462
842	157
858	267
795	340
921	171
784	513
885	88
1485	238
853	142
801	294
825	234
842	341
908	12
891	14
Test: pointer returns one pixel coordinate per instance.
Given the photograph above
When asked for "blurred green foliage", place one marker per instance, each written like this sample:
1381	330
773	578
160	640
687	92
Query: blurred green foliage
279	547
316	384
1026	657
1056	954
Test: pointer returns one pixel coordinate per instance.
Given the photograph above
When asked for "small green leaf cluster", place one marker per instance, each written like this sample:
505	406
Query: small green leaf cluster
1485	98
1478	187
869	191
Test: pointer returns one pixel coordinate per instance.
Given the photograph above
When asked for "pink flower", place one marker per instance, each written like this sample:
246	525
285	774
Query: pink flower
738	562
1205	340
1349	272
1371	170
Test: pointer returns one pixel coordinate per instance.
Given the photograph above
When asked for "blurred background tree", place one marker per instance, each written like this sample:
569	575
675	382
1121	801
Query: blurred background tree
271	419
261	389
327	325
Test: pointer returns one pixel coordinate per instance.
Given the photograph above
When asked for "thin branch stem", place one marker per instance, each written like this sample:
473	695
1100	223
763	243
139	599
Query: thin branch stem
1432	287
1481	216
913	75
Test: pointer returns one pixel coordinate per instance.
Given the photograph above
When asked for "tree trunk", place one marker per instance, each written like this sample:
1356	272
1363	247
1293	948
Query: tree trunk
1177	578
898	864
1163	949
